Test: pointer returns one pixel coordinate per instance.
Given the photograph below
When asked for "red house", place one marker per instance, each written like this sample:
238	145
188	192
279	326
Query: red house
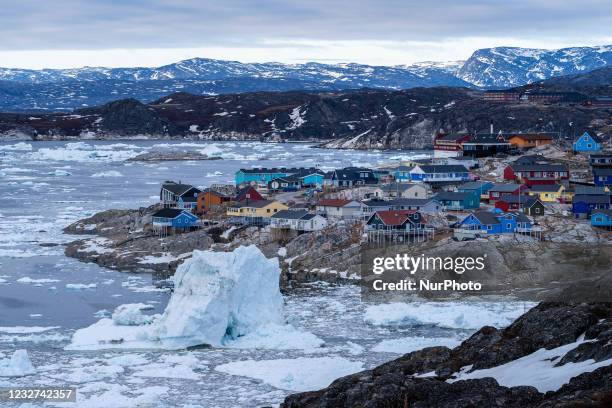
248	193
532	174
498	190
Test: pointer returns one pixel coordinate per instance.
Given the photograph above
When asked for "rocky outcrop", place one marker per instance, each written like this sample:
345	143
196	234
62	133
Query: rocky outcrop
419	379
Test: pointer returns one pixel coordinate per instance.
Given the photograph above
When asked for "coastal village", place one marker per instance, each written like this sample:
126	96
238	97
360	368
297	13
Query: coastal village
474	186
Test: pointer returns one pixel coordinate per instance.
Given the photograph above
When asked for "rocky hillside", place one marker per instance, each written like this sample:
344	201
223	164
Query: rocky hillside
66	89
548	340
352	119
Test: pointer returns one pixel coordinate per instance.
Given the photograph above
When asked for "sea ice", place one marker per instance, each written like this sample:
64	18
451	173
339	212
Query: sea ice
298	374
409	344
131	314
17	365
110	173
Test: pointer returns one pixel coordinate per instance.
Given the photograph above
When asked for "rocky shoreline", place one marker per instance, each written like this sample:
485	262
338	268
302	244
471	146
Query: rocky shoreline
433	377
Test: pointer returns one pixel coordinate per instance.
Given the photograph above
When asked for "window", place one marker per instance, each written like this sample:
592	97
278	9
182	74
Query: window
509	226
489	227
537	210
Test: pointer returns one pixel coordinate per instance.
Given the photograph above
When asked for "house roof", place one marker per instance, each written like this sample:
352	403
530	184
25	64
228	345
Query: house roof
474	185
451	195
287	170
253	204
531	159
524	200
394	217
538	167
505	187
533	136
453	137
189	199
488	138
403	168
177	188
290	214
602	171
443	168
217	193
416	202
592	135
309	216
592	199
397	186
602	155
353	173
605	212
486	217
546	188
333	202
589	190
168	213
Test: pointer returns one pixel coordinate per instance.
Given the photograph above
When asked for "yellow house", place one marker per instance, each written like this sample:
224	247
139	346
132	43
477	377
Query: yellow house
255	208
548	193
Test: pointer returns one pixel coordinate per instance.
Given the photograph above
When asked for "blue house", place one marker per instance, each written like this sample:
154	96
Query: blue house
402	173
496	222
264	175
480	188
583	205
451	200
601	218
588	143
188	202
440	173
314	179
602	176
173	218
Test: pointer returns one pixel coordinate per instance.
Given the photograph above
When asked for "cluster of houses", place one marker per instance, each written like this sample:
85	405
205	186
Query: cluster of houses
396	201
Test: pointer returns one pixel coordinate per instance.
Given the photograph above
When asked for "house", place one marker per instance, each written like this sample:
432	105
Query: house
531	159
312	179
479	188
291	183
601	218
449	145
527	141
452	200
498	190
262	176
423	205
587	143
401	190
503	95
171	192
339	208
254	211
210	199
527	204
402	173
188	202
582	205
298	220
602	176
603	159
440	173
533	174
548	193
395	220
175	219
483	145
247	193
496	222
353	176
467	161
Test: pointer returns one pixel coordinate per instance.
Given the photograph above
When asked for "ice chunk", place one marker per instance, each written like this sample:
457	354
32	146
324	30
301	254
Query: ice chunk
131	314
229	299
410	344
17	365
219	294
299	374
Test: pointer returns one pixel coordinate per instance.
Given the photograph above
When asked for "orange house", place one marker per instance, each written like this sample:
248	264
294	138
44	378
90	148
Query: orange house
209	199
530	140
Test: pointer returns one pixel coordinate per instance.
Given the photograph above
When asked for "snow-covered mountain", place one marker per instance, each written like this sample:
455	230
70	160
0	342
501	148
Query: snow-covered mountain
64	89
504	67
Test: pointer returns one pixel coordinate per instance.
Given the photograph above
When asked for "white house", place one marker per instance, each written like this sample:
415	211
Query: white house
401	190
298	220
339	208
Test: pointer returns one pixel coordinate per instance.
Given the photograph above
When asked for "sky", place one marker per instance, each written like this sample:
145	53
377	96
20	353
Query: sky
124	33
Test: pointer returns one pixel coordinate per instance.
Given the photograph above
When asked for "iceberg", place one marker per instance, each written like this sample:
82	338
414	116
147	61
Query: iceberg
18	365
220	299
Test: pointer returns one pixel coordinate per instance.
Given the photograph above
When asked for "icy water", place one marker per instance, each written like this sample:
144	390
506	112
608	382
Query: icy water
45	296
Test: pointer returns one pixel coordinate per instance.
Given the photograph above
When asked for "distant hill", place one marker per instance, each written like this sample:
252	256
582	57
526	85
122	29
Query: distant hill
501	67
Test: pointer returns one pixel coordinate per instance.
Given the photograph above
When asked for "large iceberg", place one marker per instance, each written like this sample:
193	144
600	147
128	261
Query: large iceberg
220	299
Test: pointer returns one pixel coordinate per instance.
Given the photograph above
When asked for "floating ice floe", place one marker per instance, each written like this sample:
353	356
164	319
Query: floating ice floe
81	286
452	315
105	174
26	329
298	374
131	314
18	365
27	279
221	299
21	146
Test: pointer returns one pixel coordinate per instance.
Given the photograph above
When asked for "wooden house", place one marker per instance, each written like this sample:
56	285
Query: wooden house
262	176
398	220
601	218
533	174
247	193
500	189
452	200
401	190
171	192
291	183
254	211
449	145
527	141
496	222
479	188
583	205
210	199
298	220
353	176
603	159
173	219
483	145
526	204
588	142
440	173
602	176
339	208
548	193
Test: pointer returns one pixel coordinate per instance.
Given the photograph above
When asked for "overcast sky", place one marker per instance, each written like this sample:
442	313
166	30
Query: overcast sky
71	33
